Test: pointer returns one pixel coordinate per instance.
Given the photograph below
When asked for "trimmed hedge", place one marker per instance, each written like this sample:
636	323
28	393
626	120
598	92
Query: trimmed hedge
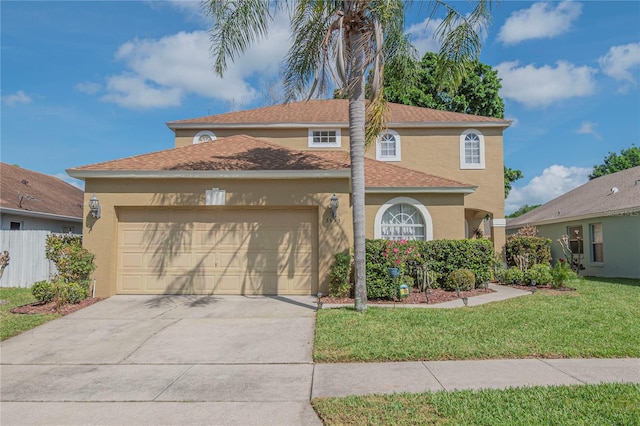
340	276
442	256
537	248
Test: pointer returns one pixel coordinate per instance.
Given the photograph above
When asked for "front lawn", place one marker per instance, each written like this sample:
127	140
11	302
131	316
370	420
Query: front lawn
13	324
604	404
601	319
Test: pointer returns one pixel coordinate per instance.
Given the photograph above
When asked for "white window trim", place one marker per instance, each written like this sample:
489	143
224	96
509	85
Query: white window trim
471	166
196	138
428	223
338	143
379	155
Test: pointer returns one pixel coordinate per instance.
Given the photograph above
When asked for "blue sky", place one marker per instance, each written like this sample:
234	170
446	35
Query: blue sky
84	82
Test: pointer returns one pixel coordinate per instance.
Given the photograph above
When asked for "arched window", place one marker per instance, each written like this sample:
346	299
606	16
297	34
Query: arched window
204	136
472	150
388	146
403	218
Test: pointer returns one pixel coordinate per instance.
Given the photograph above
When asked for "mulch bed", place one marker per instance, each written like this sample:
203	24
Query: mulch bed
52	308
416	297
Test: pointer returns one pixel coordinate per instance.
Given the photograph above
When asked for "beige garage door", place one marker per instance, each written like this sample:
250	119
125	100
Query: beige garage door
217	251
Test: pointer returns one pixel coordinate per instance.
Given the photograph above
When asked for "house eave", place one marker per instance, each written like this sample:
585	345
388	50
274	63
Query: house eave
393	125
208	174
628	211
41	215
420	190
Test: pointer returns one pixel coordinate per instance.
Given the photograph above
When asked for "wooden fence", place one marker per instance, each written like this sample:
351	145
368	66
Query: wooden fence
28	263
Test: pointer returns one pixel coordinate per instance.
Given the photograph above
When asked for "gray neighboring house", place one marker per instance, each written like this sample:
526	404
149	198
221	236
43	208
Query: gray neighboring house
602	218
34	201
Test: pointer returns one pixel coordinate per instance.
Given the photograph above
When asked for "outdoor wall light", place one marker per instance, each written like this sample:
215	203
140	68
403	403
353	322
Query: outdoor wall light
334	206
94	206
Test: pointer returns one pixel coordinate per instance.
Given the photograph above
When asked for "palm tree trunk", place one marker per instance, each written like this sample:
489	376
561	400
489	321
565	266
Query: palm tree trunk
357	108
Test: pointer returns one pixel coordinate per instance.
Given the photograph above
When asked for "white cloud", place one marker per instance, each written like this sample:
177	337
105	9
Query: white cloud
161	72
132	91
422	36
541	20
588	128
554	181
539	87
623	64
17	98
88	88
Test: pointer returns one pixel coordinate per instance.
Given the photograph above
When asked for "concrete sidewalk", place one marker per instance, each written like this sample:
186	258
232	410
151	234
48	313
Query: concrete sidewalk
389	377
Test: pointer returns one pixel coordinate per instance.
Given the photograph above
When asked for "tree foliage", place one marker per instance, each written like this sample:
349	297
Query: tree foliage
613	162
412	82
522	210
510	176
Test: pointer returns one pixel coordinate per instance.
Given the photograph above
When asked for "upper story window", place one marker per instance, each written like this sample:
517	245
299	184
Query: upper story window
204	136
472	150
388	146
324	138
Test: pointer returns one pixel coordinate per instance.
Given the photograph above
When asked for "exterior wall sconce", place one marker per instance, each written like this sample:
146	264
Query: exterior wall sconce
334	206
94	206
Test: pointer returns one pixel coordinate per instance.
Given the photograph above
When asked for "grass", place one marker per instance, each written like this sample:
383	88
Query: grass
14	324
603	404
600	320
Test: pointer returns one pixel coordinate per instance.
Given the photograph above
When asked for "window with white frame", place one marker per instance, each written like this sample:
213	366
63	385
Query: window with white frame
472	150
597	253
204	136
388	146
324	138
403	218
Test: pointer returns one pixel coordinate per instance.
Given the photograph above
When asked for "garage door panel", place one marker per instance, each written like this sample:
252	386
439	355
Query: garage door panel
224	252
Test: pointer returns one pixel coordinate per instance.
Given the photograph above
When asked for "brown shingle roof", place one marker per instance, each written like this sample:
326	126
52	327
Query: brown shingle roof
237	153
596	197
27	190
331	111
245	153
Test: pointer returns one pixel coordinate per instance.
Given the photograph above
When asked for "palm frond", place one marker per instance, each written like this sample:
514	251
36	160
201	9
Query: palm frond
461	38
236	25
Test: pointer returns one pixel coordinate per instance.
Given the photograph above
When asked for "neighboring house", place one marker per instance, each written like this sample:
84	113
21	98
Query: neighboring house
602	220
241	205
34	201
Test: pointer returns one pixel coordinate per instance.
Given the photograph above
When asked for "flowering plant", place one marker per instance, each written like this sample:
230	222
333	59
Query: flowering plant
399	253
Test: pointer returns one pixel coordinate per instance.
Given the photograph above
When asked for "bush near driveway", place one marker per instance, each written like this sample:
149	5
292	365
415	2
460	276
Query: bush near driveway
598	320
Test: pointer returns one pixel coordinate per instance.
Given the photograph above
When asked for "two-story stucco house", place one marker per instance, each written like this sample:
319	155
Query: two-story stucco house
242	204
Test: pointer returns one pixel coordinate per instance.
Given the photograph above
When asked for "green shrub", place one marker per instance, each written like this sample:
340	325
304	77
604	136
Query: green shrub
339	277
513	275
464	279
535	249
442	256
499	274
70	293
561	273
540	273
43	291
74	263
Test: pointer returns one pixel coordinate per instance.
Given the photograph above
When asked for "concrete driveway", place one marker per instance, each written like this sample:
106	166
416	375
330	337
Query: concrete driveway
179	360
